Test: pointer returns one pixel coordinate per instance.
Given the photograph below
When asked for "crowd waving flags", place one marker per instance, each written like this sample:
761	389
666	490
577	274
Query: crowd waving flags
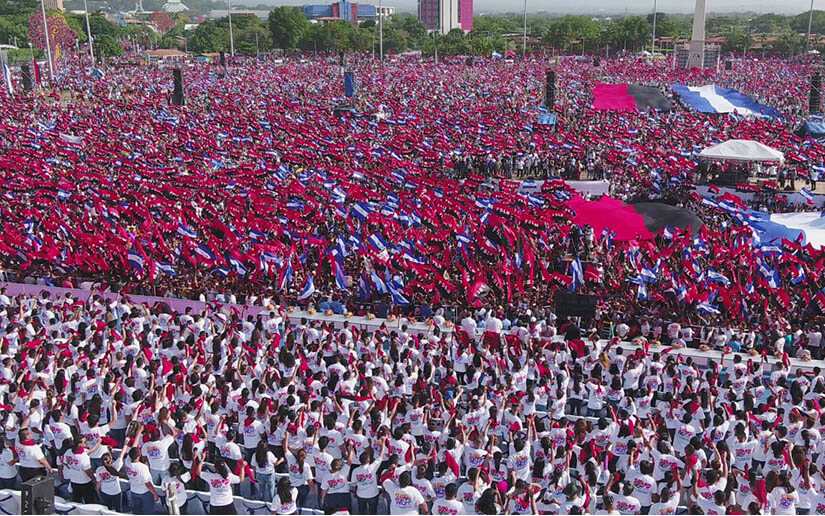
445	212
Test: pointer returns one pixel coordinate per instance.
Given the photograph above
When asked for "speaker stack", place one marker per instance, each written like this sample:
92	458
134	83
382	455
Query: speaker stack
37	496
550	90
728	65
28	81
223	58
177	94
816	93
596	62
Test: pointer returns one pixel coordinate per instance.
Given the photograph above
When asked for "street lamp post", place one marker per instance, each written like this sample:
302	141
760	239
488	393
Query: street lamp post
524	37
89	33
653	41
48	45
231	36
810	20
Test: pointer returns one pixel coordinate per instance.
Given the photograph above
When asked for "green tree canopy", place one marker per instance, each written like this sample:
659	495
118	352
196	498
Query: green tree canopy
287	25
209	37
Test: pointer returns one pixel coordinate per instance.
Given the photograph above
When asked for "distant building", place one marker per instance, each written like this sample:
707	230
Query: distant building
216	14
174	6
56	5
442	16
347	11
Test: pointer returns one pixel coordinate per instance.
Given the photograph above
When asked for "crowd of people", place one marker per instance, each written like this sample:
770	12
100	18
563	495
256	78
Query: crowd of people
257	192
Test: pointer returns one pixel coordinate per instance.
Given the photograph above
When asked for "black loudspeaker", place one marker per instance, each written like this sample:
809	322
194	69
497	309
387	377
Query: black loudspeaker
223	58
37	496
469	61
341	55
550	90
728	65
177	94
816	93
28	80
575	305
596	62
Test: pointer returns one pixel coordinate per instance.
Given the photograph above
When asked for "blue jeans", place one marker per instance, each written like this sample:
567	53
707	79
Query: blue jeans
158	475
264	487
113	502
143	503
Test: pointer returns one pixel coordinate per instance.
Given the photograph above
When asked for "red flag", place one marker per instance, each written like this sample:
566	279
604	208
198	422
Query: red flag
452	464
36	72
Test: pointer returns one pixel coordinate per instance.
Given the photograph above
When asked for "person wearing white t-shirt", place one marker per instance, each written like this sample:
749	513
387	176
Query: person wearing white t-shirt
108	476
8	470
286	498
263	463
174	487
157	451
221	499
405	499
143	493
31	461
448	505
335	486
365	478
77	469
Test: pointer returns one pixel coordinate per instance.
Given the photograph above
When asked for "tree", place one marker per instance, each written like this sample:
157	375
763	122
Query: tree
564	31
771	24
14	28
208	37
108	45
799	23
789	42
368	24
636	31
737	39
287	25
162	21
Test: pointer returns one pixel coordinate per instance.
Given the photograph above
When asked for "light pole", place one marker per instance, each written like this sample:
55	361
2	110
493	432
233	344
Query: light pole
231	37
810	20
48	45
653	42
380	33
257	49
89	33
524	37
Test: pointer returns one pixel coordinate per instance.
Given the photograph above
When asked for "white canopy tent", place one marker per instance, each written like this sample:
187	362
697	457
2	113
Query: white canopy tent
741	150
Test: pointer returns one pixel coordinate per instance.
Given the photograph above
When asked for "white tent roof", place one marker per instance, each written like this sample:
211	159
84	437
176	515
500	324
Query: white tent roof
741	150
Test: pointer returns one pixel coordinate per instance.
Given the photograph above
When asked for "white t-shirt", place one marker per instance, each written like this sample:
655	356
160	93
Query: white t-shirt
290	507
403	501
447	507
7	470
76	465
783	502
220	489
178	485
158	453
336	482
29	455
109	484
366	481
139	475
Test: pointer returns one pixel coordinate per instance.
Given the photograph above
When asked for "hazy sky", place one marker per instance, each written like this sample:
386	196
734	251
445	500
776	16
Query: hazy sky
603	6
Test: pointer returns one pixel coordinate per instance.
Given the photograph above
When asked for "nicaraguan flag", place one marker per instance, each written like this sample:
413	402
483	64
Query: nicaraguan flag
717	278
286	279
380	287
364	287
254	234
799	277
360	210
667	233
707	309
642	292
649	275
221	271
377	242
398	298
237	266
204	252
70	138
62	195
166	268
7	79
135	260
577	274
340	282
185	231
807	194
308	290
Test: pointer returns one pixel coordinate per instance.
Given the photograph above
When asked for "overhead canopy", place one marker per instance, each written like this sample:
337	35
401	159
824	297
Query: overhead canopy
741	150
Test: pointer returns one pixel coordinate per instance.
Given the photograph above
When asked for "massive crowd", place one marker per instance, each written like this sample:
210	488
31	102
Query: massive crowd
256	193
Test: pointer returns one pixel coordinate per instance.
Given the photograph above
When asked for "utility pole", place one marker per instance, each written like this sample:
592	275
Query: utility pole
810	20
231	37
653	42
89	33
380	32
524	37
48	45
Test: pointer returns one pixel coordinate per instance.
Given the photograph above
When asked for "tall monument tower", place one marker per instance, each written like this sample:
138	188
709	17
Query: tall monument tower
696	52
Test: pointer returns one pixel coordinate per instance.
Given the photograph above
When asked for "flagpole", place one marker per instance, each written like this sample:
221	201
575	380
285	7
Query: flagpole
89	32
231	37
810	20
524	37
653	41
380	32
48	45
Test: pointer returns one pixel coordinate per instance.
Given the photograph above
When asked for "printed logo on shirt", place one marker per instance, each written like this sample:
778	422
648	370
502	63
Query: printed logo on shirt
153	452
443	509
402	499
786	501
521	462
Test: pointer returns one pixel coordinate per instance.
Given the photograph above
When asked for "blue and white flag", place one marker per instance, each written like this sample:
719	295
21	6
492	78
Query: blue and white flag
185	231
380	287
135	260
717	278
642	293
166	268
204	252
62	195
340	282
799	276
577	274
7	79
237	266
308	290
716	99
286	280
807	194
398	298
364	287
649	275
707	309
